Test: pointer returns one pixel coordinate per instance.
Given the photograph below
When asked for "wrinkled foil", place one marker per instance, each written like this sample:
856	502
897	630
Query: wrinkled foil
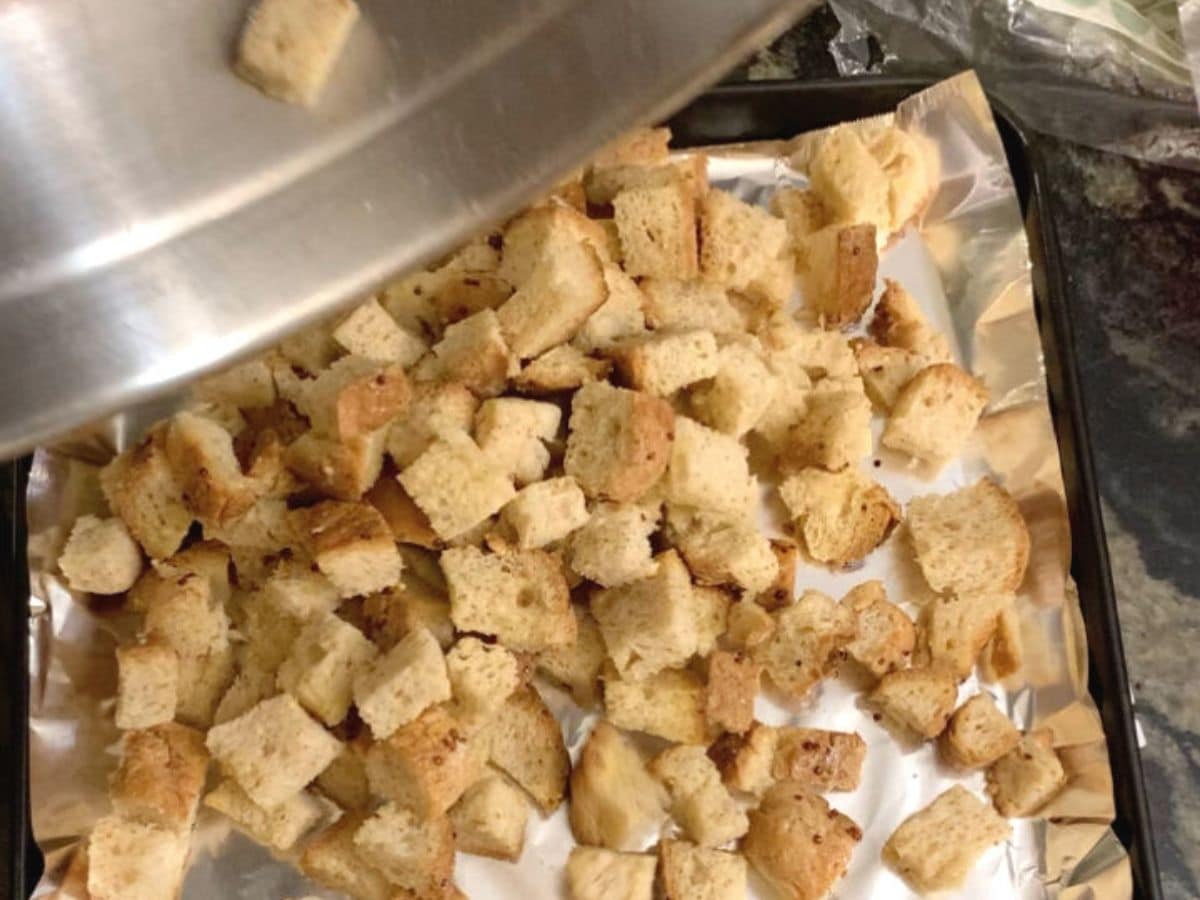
967	262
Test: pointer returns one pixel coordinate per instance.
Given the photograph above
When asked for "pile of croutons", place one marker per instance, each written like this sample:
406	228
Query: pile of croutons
543	462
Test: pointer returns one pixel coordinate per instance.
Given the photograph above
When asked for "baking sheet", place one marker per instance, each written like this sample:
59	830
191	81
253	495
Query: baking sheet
967	263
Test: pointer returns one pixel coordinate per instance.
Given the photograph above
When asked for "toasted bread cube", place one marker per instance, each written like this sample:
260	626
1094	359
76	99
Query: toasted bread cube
210	477
700	873
669	704
620	316
597	874
1023	780
161	776
254	683
400	685
462	292
603	183
408	524
657	227
806	642
456	485
619	441
834	432
526	741
390	615
798	843
546	232
511	432
577	666
520	596
344	470
740	245
955	630
851	183
779	592
899	322
426	764
436	408
270	770
553	303
711	611
473	353
738	395
489	819
322	665
335	861
709	470
733	680
746	761
978	734
141	489
749	625
821	760
615	801
482	676
188	618
886	635
685	305
791	348
279	827
613	547
649	625
100	557
288	47
973	539
563	368
413	852
640	146
129	860
344	780
885	370
355	396
700	804
248	385
842	516
546	512
147	685
353	546
920	700
203	680
935	412
1004	653
370	333
936	848
720	549
839	265
664	362
802	210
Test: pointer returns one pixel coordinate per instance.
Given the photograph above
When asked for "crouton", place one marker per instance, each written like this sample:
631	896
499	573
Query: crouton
482	676
613	547
209	475
842	516
732	686
161	776
791	349
649	625
740	247
100	557
885	634
408	524
289	47
322	665
780	591
370	333
615	802
461	293
254	682
802	211
577	666
546	512
920	700
838	273
711	611
520	596
188	618
267	528
352	545
546	232
850	182
390	615
400	685
821	760
700	804
603	183
955	629
456	485
207	559
668	704
641	146
656	224
141	489
620	316
248	385
699	873
739	394
268	769
1023	780
720	549
489	819
936	848
335	861
908	173
805	644
147	685
685	305
563	368
203	680
129	860
597	874
746	761
978	734
344	470
511	432
619	442
525	740
663	362
435	408
833	433
798	843
709	470
749	625
473	353
413	852
552	304
344	780
279	827
935	413
973	539
1004	653
885	370
899	322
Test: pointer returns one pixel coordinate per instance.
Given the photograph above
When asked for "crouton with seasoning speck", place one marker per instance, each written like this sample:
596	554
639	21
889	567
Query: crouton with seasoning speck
978	734
352	546
663	362
161	776
436	407
333	859
739	394
935	413
833	433
920	700
564	368
482	676
805	644
733	681
885	635
885	370
1023	780
819	759
709	470
899	322
473	353
841	516
745	248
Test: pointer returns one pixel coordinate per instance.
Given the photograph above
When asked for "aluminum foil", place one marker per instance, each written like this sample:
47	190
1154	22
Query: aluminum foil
967	262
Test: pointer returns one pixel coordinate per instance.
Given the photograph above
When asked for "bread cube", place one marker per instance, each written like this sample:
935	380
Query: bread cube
526	741
709	470
288	47
603	183
902	159
711	611
203	680
511	432
413	852
791	348
619	316
370	333
400	685
615	801
489	819
436	407
838	265
745	248
935	412
344	780
563	368
700	873
141	489
899	322
936	848
553	303
779	592
613	547
833	433
1004	653
885	634
720	549
253	683
206	469
462	292
1023	780
663	362
656	224
248	385
597	874
920	700
188	618
279	827
456	485
668	704
746	761
355	396
842	516
129	860
850	182
100	557
390	615
806	642
249	749
821	760
802	211
352	546
738	395
481	676
749	625
545	232
577	666
546	512
700	804
885	370
333	859
686	305
323	664
473	353
733	680
956	629
161	776
147	685
978	734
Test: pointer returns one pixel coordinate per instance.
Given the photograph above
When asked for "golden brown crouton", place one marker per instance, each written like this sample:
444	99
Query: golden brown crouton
456	485
886	635
955	629
850	182
552	304
802	210
739	395
663	362
748	625
414	852
207	470
820	760
615	802
352	545
489	819
978	734
620	316
833	433
335	861
838	273
409	525
1023	780
657	226
100	557
597	874
578	665
700	804
545	232
804	646
745	248
885	370
1004	654
343	470
723	549
564	368
161	776
147	685
436	407
842	516
746	761
899	322
920	700
472	353
130	860
141	488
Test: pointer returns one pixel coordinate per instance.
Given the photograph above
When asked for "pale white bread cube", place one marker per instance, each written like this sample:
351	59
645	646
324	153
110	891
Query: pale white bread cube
203	681
456	485
684	305
480	254
936	848
400	685
249	749
546	232
709	470
187	617
266	528
511	433
745	248
279	827
613	547
519	596
650	624
206	469
309	350
248	385
427	764
473	353
746	761
563	368
333	859
482	676
369	332
641	146
1023	780
615	801
603	183
296	591
619	316
577	666
841	516
322	665
406	300
147	685
798	843
821	760
806	643
789	400
978	734
161	776
739	394
354	396
711	607
619	441
899	322
955	629
490	818
700	873
700	804
720	548
835	430
850	182
253	683
663	362
791	348
525	740
972	539
885	635
130	860
669	704
414	853
656	224
909	172
436	407
594	873
838	266
885	370
553	303
352	546
920	700
289	47
748	625
141	489
733	682
206	558
546	512
802	210
344	780
100	556
935	413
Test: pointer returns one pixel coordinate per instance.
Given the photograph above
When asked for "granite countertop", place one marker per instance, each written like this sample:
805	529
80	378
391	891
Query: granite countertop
1130	233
